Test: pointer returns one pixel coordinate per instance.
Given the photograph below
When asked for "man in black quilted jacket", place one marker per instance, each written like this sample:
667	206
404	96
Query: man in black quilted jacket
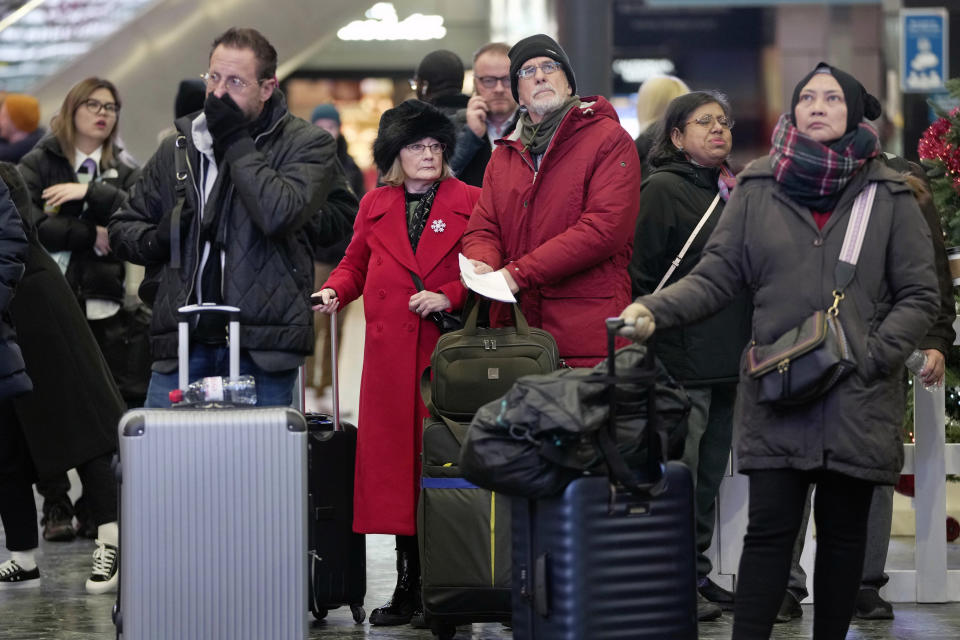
263	191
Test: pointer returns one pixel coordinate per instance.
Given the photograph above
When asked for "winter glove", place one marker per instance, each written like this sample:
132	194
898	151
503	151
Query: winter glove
225	121
639	324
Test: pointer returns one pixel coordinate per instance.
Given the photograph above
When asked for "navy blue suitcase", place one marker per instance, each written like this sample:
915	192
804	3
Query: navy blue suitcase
603	562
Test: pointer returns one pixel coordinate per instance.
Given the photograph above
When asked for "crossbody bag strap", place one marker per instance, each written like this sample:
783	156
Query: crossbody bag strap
180	166
676	261
852	242
417	282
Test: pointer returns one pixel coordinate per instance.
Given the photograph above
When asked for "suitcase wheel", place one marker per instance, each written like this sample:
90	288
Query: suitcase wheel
443	630
319	614
359	615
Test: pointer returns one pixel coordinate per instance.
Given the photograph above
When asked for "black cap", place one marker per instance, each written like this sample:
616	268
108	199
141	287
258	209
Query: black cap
860	104
406	123
190	96
443	72
534	47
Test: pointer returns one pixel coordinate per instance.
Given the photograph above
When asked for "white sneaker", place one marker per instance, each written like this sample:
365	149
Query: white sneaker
13	576
104	576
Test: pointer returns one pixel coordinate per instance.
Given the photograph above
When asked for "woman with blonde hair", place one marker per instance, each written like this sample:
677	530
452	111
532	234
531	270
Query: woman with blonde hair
403	260
654	96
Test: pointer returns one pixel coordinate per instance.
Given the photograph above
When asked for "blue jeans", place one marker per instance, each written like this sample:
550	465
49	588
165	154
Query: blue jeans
274	388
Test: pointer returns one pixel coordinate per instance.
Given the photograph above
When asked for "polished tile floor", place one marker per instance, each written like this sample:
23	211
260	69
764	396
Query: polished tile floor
61	610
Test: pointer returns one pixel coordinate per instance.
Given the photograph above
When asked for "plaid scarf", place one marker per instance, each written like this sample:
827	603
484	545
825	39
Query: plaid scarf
814	174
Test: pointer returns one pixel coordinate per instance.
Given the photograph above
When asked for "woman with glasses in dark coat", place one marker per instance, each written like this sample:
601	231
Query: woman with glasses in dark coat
780	237
691	182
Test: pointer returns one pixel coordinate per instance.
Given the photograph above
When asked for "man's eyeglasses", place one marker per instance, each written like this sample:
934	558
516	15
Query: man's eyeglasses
491	81
707	121
94	106
418	147
546	67
233	83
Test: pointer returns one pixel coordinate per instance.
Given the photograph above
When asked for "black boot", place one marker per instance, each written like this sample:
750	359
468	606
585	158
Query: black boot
406	596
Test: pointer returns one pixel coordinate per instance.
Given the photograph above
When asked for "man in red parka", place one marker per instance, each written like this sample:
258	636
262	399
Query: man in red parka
558	207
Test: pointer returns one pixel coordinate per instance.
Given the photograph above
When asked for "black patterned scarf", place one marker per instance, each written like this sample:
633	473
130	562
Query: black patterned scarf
814	174
417	220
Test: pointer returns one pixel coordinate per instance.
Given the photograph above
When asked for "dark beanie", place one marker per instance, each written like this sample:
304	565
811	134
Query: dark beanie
405	124
326	111
534	47
190	97
443	71
860	104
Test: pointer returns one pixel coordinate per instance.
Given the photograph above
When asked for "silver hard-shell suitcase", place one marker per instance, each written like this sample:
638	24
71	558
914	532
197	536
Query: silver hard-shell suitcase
213	528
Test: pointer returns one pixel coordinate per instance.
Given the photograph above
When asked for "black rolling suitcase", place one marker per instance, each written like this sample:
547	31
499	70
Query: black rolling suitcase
604	561
337	555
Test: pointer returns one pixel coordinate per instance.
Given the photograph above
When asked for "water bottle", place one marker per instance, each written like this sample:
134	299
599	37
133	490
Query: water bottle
240	390
915	363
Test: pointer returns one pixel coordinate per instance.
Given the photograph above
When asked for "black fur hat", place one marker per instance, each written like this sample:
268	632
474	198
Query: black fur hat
406	123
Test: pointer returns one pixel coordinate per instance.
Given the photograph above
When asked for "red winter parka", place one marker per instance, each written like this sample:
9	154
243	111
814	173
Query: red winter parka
566	229
398	342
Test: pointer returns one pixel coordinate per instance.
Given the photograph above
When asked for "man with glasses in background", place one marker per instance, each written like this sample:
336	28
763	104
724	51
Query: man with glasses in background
489	114
262	190
558	206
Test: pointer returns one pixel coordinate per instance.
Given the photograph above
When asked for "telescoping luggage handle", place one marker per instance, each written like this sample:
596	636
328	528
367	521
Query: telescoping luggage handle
183	339
654	440
334	380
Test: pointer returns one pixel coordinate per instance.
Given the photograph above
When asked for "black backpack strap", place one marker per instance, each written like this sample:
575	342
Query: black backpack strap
180	166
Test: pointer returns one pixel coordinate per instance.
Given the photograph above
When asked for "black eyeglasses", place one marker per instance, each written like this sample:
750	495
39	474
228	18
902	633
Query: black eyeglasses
94	106
491	81
707	121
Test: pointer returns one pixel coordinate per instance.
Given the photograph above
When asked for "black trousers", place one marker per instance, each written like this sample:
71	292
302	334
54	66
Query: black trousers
18	511
841	508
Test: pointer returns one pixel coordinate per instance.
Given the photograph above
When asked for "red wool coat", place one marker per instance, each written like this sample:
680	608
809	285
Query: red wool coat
566	230
398	342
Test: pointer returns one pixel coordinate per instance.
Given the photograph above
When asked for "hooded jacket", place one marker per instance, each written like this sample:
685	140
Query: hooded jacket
769	244
565	231
673	199
276	199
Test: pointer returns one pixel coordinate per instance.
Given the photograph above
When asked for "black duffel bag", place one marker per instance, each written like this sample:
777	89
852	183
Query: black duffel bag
541	435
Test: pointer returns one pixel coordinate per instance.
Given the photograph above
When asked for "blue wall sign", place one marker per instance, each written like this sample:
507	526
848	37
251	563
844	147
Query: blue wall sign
924	50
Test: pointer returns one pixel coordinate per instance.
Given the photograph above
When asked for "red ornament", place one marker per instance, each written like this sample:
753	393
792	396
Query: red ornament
905	485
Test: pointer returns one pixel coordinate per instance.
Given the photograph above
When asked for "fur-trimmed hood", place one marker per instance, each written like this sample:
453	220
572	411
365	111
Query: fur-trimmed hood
406	123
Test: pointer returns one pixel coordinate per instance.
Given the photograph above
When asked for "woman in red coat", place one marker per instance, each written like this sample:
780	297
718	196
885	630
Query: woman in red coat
414	224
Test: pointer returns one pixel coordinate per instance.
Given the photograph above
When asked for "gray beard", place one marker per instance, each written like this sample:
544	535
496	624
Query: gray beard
545	107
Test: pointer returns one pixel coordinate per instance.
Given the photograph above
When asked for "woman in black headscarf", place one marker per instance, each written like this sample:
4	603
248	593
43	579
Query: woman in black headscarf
780	235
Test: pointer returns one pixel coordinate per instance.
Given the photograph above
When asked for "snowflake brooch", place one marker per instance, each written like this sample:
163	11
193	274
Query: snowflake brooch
438	226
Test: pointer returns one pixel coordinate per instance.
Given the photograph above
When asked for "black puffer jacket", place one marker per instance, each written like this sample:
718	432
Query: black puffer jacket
672	201
277	198
74	228
13	251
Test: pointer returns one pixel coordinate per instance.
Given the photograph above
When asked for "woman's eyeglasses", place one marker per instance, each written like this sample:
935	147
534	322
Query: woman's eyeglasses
707	121
418	147
94	106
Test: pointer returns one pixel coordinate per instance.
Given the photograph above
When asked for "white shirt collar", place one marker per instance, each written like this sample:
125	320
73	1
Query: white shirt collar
80	156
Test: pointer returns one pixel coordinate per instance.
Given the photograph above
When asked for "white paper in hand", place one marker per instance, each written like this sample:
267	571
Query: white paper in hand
490	285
